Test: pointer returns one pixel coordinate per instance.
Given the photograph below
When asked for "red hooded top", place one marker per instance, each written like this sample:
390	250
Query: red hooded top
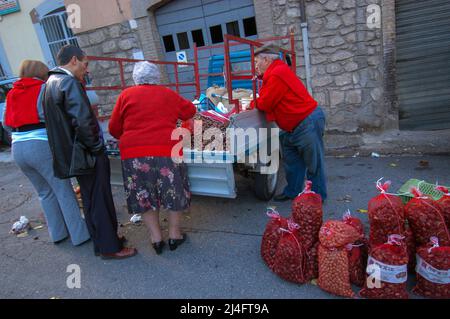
23	103
283	97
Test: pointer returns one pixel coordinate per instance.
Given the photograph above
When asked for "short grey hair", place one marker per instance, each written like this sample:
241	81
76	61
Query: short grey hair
269	56
146	73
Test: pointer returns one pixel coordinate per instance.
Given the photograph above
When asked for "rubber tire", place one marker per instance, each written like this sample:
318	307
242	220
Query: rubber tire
262	186
5	138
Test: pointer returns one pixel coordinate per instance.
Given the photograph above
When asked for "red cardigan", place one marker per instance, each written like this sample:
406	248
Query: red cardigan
283	97
144	118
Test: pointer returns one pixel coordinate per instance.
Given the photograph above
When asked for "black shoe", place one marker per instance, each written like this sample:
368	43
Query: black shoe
281	198
158	246
174	243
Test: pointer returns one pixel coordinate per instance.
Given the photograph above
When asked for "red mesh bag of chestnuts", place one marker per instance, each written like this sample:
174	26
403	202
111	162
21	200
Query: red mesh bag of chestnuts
334	262
444	204
357	252
426	219
290	257
386	215
272	236
411	248
353	221
387	270
433	270
307	213
312	262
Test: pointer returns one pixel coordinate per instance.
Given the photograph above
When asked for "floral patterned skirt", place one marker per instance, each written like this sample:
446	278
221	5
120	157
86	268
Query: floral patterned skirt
153	183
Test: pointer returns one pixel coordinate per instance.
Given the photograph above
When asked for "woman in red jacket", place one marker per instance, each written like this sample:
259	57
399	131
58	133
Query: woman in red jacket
24	117
143	120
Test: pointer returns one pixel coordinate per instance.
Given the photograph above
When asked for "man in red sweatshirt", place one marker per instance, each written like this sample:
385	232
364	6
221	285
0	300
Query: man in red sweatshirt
285	100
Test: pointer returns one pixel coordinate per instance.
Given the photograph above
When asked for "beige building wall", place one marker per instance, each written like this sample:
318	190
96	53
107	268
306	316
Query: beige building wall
101	13
19	37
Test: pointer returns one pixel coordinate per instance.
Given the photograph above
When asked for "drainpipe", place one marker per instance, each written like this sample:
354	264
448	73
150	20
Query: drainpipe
304	27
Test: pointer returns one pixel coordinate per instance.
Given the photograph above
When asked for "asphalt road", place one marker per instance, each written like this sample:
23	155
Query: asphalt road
221	258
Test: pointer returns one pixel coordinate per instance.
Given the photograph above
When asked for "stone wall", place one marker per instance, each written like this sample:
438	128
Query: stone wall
118	41
149	37
264	18
346	58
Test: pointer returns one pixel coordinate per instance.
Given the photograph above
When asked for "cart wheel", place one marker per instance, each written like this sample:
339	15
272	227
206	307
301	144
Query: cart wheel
5	138
265	185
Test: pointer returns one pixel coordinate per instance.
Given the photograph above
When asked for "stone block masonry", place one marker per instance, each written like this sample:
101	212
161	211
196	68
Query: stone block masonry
346	57
118	41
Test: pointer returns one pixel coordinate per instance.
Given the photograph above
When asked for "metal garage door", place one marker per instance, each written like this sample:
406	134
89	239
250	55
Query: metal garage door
183	22
423	64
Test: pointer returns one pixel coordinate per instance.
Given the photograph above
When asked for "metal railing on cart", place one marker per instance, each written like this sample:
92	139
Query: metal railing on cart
228	74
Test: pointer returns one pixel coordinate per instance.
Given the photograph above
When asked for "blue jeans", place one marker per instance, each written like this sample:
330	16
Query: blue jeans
303	155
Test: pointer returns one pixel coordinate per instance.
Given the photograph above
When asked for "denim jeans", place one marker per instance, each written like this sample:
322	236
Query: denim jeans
303	155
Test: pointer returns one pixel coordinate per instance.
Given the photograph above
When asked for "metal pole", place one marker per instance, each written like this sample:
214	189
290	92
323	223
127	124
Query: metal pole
228	73
254	79
304	27
196	70
177	86
306	53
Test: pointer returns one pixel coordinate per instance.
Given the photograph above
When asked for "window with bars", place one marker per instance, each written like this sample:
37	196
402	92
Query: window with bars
57	32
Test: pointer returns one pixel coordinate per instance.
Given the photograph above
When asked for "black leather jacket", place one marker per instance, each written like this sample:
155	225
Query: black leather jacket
72	128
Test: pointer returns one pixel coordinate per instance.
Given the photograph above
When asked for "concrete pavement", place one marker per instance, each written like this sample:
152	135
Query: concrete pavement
221	258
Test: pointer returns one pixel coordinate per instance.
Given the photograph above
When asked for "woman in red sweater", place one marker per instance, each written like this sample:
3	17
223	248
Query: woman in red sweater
24	117
143	121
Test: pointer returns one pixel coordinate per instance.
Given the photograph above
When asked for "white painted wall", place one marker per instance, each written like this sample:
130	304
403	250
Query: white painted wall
19	37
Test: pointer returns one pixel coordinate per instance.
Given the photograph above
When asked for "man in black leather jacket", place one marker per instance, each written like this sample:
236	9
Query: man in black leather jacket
77	146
